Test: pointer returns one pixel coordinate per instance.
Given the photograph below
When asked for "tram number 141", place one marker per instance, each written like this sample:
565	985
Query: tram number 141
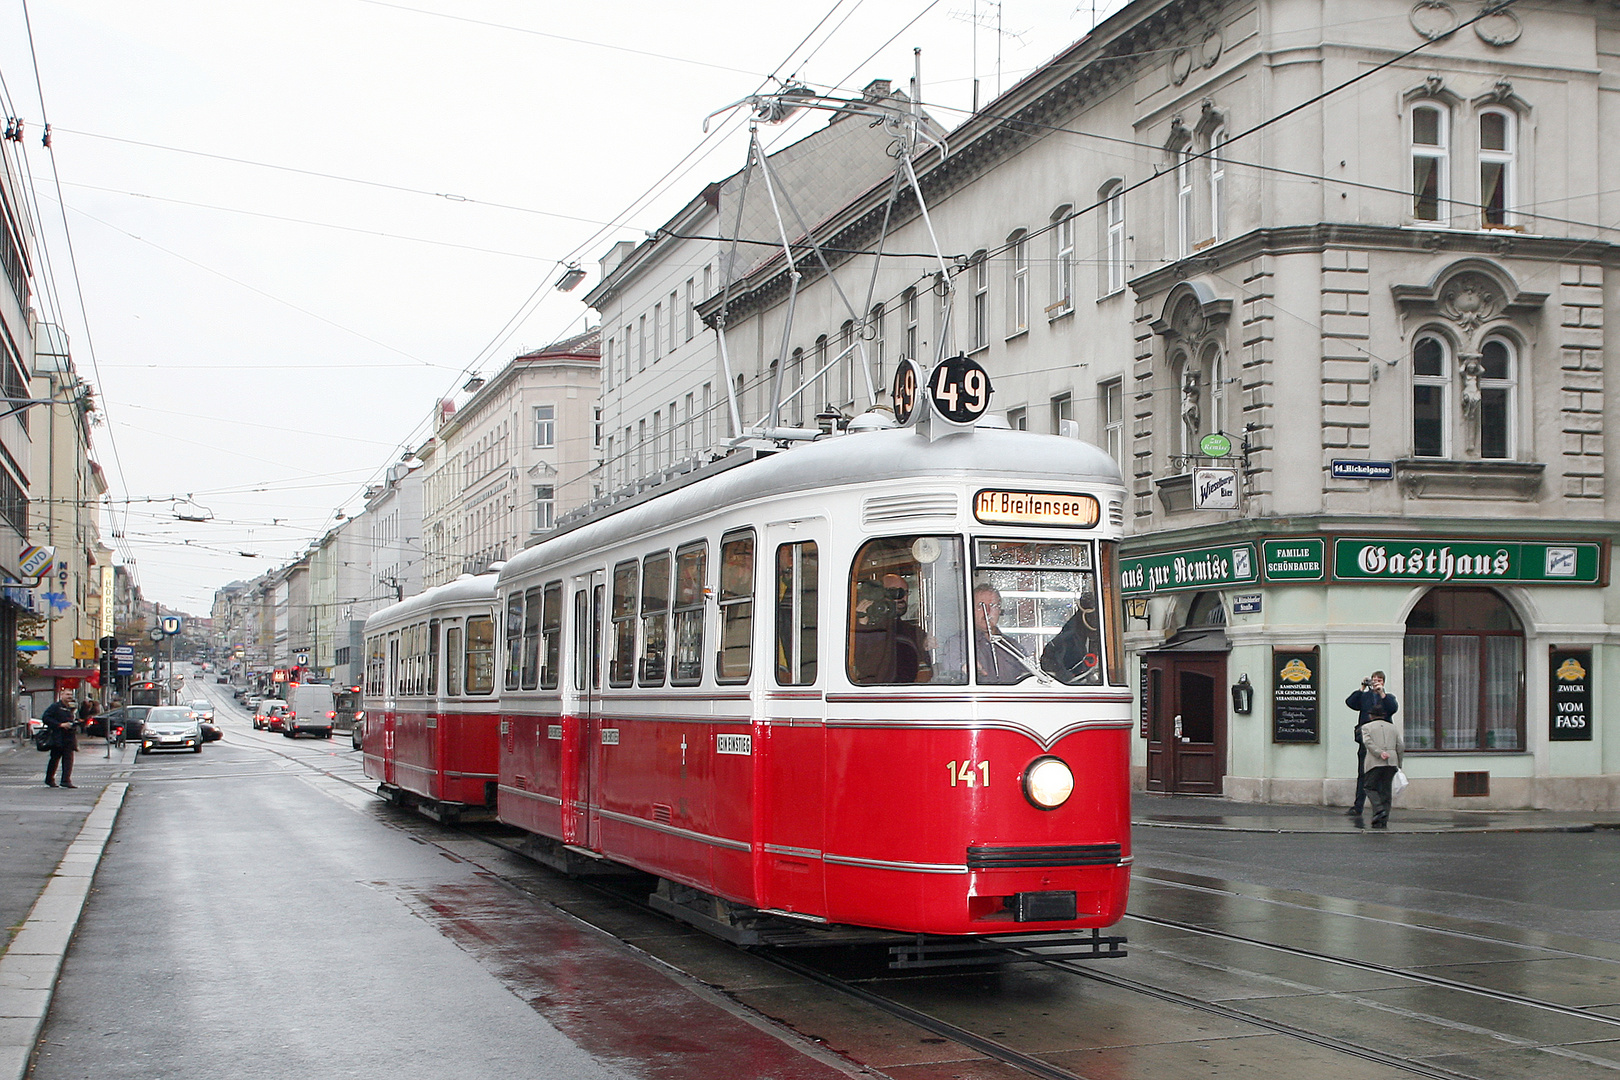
971	773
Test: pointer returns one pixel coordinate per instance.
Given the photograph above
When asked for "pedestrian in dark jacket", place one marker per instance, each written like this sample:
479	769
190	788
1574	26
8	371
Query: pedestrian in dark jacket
1366	701
64	738
1383	744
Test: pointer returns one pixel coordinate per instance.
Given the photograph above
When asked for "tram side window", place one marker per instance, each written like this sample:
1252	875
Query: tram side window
407	665
736	607
654	618
687	648
480	654
453	657
582	638
551	635
514	639
797	593
374	666
393	665
531	638
621	662
1113	631
1037	612
907	618
432	657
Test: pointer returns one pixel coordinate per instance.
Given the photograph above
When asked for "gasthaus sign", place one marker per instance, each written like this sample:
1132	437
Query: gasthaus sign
1571	562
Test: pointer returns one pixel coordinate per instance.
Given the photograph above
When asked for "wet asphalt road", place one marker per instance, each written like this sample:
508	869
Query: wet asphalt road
256	915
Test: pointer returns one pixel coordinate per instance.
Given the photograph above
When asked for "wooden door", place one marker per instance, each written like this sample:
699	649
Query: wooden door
1186	710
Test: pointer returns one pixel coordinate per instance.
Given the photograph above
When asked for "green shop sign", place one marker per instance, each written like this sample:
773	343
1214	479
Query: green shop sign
1294	560
1194	568
1486	561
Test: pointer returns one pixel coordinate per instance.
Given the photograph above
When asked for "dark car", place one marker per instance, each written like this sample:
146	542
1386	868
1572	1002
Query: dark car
128	717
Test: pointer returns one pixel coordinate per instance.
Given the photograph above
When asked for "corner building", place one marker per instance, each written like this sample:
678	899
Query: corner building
1330	282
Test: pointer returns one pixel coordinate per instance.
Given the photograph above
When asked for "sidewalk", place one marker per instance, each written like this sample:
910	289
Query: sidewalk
50	845
1153	810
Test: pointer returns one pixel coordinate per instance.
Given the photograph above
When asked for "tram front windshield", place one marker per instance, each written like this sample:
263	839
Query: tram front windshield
1029	610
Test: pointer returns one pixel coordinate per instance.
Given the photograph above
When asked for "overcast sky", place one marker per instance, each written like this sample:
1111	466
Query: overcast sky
298	224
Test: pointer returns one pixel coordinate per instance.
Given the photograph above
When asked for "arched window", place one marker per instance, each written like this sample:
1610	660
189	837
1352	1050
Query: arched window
1212	371
1463	673
1431	391
1017	282
880	348
820	394
1062	262
795	379
846	363
1497	382
979	278
909	299
1217	184
1112	277
1431	162
1496	159
1184	202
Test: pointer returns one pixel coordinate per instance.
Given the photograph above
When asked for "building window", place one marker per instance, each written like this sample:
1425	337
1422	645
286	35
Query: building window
708	408
795	380
641	343
819	400
1189	397
624	356
657	328
545	507
596	428
879	348
674	320
545	425
846	363
657	440
1111	401
1063	416
607	365
1184	202
691	309
1062	262
1431	385
1430	163
1463	673
1113	245
1497	379
1018	419
980	273
1213	371
1496	153
1217	184
1018	283
909	299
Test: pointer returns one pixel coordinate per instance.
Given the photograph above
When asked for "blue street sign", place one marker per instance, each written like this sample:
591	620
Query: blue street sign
1350	469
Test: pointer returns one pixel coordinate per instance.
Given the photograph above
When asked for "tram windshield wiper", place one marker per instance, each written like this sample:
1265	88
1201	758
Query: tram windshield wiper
1008	646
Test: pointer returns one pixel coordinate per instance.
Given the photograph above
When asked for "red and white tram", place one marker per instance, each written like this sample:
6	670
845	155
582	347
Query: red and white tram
876	681
431	708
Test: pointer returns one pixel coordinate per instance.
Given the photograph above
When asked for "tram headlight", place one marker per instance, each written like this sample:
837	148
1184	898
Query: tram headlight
1048	782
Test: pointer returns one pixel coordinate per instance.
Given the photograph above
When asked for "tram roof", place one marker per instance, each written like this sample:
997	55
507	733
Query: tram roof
465	587
869	457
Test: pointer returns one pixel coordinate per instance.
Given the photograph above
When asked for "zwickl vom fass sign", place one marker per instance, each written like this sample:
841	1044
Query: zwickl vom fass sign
1485	561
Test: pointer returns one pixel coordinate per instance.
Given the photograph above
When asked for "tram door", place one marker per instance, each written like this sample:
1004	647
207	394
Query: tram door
391	712
580	825
1186	712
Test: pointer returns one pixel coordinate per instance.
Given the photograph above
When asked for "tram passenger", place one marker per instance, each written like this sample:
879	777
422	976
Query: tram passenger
1073	653
887	648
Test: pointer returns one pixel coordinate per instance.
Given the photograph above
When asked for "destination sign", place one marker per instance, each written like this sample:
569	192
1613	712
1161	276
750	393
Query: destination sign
1035	508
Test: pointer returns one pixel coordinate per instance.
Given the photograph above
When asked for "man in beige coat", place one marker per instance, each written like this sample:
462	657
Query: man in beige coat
1383	742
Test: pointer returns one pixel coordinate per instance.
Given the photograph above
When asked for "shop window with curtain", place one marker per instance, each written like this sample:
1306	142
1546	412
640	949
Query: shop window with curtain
1463	673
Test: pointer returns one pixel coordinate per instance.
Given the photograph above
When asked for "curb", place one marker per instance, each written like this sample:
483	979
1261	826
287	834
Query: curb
29	968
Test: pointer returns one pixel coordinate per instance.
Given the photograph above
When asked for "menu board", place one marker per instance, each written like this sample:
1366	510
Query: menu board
1296	713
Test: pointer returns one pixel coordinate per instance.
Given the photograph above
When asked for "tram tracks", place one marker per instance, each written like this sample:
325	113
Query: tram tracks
978	1037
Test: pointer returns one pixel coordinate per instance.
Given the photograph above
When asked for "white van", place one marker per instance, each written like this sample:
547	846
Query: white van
310	711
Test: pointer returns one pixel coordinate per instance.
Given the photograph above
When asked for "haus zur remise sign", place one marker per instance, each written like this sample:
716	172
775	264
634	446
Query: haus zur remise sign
1192	568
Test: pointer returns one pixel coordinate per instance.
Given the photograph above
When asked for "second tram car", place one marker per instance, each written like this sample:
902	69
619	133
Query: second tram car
875	681
430	716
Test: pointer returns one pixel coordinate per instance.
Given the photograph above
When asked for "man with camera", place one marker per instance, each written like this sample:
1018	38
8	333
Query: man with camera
1368	700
